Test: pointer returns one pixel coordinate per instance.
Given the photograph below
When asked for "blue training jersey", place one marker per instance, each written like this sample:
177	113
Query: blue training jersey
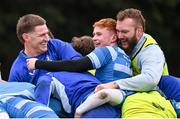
111	63
74	87
57	50
16	89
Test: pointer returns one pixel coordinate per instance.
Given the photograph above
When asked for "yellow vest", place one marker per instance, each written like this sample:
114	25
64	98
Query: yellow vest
147	105
136	69
93	71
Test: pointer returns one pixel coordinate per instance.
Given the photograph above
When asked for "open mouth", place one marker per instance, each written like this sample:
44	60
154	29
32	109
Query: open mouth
123	43
44	44
96	43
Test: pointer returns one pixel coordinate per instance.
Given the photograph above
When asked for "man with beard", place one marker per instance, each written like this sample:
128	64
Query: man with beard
108	59
148	63
102	37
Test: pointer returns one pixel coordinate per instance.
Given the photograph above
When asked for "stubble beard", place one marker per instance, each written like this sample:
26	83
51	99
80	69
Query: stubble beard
131	44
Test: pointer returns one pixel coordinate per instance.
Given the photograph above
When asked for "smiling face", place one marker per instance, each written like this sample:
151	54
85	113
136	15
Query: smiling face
130	28
128	34
104	32
102	36
36	41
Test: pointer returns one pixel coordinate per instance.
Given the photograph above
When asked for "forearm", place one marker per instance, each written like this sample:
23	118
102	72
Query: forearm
146	81
138	83
80	65
151	65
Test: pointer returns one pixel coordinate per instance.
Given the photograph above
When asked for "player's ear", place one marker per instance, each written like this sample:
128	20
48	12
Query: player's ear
25	36
113	38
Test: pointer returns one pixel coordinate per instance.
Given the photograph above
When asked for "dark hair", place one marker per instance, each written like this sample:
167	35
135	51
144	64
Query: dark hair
27	23
134	14
83	44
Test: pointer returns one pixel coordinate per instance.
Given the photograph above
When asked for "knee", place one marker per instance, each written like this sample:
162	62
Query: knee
102	94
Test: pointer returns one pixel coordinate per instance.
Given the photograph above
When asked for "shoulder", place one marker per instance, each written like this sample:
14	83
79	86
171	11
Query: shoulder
106	49
55	42
103	51
20	59
19	63
152	53
152	49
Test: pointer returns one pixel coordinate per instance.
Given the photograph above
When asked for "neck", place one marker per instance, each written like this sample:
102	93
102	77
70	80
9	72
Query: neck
30	52
113	43
128	52
139	36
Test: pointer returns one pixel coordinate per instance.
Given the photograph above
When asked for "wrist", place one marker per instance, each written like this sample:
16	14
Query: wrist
36	64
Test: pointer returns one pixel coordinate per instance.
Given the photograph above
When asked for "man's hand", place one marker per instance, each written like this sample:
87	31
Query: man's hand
31	63
111	85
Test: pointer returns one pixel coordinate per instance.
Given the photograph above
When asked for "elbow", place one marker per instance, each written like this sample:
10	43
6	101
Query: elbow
152	85
153	80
